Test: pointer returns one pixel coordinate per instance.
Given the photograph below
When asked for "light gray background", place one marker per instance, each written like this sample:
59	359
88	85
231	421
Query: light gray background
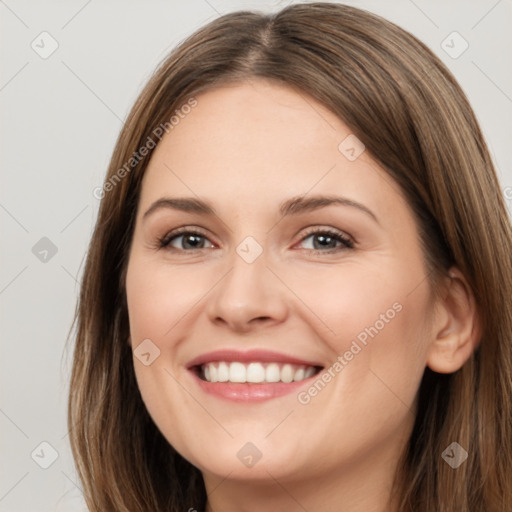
60	118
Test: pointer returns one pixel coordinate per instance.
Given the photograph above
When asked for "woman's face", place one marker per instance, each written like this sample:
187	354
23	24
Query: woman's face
305	255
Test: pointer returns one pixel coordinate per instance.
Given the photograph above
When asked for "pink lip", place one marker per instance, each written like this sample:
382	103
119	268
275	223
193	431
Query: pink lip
264	356
248	392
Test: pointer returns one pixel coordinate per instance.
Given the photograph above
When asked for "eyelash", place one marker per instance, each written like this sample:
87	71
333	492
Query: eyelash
164	241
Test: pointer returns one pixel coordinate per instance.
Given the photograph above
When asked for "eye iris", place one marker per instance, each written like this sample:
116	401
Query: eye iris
198	238
324	238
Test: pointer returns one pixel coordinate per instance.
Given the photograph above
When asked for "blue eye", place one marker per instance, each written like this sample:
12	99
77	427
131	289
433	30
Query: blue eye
192	239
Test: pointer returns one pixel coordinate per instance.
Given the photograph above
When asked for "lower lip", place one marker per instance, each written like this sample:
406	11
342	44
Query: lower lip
249	392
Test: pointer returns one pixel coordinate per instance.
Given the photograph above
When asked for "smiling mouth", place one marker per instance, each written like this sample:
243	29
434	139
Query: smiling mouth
254	372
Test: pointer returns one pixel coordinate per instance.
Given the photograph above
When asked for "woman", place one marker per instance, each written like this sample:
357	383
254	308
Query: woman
223	362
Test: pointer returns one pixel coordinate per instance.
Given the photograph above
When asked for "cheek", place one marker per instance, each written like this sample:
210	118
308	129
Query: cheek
350	298
158	298
378	346
373	319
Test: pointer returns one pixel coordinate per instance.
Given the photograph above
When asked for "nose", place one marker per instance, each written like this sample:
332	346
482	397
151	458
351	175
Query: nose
248	297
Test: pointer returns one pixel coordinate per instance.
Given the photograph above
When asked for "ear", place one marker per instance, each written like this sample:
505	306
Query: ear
456	326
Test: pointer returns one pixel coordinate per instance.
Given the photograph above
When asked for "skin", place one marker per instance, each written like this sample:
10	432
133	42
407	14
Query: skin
245	148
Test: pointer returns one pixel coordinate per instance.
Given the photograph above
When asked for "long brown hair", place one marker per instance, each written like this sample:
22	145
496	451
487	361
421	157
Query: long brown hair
400	100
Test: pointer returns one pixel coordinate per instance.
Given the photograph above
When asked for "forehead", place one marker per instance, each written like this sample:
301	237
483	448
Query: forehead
260	141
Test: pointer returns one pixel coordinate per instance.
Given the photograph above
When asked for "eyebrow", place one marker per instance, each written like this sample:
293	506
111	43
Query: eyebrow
293	206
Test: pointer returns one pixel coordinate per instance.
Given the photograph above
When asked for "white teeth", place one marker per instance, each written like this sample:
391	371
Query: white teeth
309	372
272	373
299	374
237	372
255	372
287	373
222	372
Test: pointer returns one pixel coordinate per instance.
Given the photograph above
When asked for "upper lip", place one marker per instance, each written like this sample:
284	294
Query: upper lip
247	356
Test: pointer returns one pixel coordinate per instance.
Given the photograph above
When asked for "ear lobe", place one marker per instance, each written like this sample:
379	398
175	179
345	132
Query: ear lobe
456	327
